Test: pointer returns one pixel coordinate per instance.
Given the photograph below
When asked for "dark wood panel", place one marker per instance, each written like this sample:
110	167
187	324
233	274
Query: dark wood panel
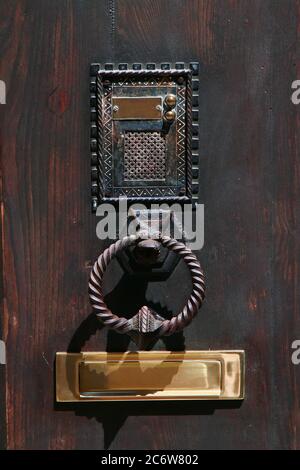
49	233
3	443
247	50
249	137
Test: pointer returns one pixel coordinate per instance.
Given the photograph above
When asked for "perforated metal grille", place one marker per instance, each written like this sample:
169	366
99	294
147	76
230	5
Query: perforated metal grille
144	156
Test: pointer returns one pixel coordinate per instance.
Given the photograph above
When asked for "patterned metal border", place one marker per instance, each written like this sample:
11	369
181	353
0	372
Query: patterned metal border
98	134
104	98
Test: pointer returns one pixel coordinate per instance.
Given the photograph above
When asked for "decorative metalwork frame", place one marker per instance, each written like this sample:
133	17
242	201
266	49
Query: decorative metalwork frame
187	141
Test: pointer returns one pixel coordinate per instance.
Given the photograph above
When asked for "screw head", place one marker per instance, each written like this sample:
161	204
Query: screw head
115	108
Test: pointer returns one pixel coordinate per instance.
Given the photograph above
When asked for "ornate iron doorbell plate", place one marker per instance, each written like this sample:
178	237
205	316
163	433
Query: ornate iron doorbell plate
144	132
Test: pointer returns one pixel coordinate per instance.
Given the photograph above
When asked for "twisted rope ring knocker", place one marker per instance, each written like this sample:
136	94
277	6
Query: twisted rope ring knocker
146	320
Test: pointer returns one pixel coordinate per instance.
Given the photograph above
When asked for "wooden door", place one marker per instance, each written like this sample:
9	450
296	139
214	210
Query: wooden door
249	183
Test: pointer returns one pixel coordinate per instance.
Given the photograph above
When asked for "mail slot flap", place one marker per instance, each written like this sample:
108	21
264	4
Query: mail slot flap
150	375
154	376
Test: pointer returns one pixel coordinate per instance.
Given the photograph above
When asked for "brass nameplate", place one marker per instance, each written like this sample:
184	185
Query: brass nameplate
150	375
137	108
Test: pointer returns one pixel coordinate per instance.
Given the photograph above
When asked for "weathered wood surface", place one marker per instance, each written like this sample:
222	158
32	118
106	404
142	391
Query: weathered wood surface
249	140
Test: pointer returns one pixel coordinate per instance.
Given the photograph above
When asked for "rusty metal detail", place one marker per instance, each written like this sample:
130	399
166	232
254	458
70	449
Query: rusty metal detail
146	320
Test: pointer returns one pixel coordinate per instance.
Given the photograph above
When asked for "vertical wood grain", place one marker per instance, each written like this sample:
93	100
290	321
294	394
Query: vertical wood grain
49	233
248	149
249	179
